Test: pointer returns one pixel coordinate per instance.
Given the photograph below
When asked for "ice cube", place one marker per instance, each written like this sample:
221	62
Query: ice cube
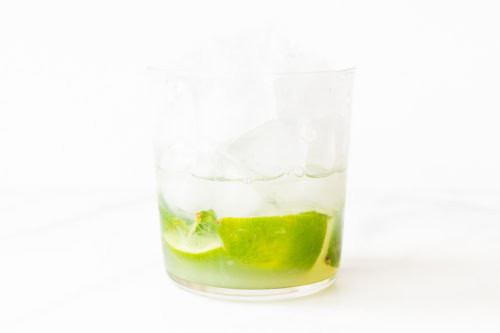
269	150
217	165
175	158
327	151
189	194
175	119
186	193
229	106
236	199
308	96
292	195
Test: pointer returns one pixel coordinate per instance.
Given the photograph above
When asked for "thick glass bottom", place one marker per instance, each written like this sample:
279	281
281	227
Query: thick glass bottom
252	294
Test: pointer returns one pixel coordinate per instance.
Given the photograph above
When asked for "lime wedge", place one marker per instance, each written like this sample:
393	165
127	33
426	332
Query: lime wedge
335	248
275	242
200	251
187	238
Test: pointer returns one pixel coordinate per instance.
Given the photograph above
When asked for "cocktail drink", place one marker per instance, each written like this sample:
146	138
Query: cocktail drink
252	172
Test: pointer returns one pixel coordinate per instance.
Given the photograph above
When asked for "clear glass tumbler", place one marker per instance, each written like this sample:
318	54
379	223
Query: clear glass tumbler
251	172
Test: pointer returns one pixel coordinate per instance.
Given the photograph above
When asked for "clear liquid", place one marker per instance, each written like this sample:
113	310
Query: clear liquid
290	194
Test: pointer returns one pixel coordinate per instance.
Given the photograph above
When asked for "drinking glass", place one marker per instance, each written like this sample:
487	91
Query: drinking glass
251	172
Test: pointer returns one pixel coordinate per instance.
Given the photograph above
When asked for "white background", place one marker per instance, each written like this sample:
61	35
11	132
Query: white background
79	243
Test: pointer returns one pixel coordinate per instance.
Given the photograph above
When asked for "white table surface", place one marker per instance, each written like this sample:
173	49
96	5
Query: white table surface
91	262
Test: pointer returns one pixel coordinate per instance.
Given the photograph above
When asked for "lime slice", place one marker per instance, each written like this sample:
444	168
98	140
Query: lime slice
170	222
276	242
192	250
187	238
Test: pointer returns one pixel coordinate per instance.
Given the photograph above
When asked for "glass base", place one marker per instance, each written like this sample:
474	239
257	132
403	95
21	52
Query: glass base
252	294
